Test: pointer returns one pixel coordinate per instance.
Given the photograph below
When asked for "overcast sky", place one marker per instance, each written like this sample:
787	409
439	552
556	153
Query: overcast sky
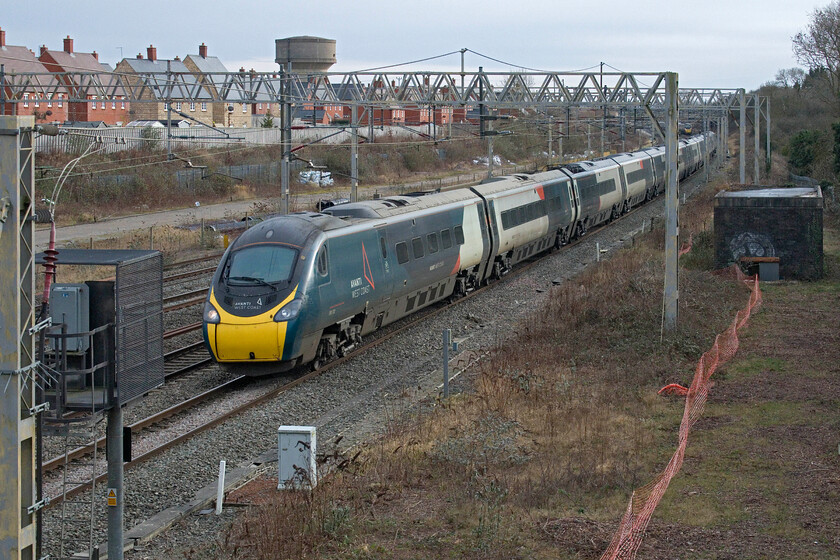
713	43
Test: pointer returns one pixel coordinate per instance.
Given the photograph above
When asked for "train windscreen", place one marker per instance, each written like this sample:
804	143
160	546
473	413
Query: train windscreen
261	264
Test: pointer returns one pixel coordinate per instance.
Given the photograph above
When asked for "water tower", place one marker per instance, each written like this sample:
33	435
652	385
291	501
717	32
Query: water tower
305	54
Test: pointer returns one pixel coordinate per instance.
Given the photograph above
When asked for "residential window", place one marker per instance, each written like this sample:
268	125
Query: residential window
259	106
192	105
165	106
203	106
113	104
122	104
26	100
35	98
244	108
49	102
178	106
60	100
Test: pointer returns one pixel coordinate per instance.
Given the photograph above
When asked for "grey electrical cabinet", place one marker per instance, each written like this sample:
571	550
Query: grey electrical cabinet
70	304
296	457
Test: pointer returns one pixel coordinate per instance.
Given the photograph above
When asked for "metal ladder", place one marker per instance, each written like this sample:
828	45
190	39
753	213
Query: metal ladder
78	512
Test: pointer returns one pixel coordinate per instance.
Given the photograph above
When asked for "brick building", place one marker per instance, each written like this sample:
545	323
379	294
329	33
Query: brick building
221	114
111	108
45	101
153	103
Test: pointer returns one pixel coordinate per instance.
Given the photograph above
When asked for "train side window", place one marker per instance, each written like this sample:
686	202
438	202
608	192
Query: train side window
323	265
446	238
459	235
417	247
383	247
402	252
432	238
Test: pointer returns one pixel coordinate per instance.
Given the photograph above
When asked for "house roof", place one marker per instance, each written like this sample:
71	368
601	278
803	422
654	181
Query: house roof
83	62
73	62
185	85
21	60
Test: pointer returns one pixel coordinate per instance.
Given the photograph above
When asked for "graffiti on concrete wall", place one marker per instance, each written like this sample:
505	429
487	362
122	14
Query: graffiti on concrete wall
749	244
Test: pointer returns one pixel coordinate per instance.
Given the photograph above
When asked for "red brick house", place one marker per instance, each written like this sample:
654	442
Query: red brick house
112	110
43	101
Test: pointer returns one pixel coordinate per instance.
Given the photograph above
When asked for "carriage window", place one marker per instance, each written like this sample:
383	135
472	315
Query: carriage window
383	248
433	242
322	261
417	247
459	235
446	238
402	252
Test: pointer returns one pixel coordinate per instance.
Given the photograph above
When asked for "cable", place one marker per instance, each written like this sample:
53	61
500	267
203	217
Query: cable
524	67
407	63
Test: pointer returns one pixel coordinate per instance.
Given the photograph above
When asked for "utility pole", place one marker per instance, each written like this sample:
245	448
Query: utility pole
3	88
168	110
742	138
286	138
550	143
354	153
604	116
18	366
672	204
767	136
757	139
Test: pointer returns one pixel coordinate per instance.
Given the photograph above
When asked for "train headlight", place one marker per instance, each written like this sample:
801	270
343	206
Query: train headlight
289	311
210	314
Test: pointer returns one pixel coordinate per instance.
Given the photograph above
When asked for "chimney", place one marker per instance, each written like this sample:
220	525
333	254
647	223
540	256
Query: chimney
43	50
95	55
151	53
2	38
177	58
68	45
202	50
139	56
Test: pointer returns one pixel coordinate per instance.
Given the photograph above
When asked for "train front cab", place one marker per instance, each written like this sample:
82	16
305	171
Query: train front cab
255	306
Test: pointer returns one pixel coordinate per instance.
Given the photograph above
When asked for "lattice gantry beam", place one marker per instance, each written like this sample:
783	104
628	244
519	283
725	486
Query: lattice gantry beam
494	89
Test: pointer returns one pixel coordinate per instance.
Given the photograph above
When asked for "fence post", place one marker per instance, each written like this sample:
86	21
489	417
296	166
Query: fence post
447	334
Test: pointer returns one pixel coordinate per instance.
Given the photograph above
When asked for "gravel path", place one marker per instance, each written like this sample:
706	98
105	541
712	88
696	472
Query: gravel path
353	399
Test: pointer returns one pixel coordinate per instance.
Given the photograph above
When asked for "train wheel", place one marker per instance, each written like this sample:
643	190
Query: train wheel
323	355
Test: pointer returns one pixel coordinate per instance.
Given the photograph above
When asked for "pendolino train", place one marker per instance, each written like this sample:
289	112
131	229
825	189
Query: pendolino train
306	287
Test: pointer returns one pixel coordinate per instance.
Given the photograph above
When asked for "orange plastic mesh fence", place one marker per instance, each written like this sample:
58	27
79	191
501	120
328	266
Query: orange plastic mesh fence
686	246
631	530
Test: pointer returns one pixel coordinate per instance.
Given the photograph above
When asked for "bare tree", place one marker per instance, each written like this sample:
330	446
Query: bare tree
790	78
818	48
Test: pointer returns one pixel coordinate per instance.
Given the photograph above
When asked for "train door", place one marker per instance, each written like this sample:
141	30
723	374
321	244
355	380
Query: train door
385	292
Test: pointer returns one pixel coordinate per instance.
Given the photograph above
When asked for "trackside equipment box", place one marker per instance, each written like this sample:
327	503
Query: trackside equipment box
771	226
296	457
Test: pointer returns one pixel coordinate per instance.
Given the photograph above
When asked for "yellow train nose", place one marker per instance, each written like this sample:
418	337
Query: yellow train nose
259	342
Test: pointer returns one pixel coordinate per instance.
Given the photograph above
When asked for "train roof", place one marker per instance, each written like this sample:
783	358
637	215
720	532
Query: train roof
525	180
396	205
